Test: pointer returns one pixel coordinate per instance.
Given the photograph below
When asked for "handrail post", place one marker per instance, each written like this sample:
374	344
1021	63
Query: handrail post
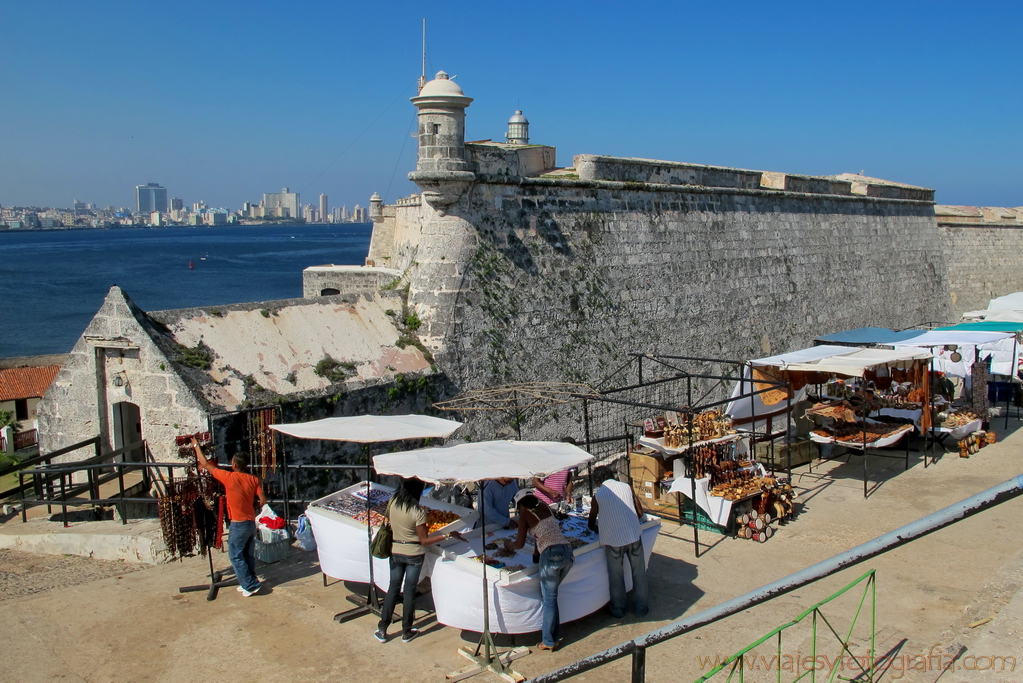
21	485
63	499
639	665
120	486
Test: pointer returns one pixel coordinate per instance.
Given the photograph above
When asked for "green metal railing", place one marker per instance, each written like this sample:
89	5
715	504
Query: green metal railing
738	664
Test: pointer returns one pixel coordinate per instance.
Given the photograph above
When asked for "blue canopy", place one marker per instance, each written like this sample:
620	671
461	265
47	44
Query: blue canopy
865	336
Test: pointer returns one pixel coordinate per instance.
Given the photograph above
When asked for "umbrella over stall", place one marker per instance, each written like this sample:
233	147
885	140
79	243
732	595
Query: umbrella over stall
483	461
367	429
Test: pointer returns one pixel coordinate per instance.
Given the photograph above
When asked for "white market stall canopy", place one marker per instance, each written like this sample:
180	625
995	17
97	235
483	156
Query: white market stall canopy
856	362
1000	346
467	462
1009	302
371	428
840	360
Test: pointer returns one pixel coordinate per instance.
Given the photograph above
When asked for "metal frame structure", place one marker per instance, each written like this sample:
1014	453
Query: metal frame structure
681	375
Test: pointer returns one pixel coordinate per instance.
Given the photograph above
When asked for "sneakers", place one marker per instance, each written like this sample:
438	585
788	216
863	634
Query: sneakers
380	635
409	635
249	594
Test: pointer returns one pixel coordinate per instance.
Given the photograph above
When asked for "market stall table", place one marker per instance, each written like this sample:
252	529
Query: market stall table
339	526
481	462
514	602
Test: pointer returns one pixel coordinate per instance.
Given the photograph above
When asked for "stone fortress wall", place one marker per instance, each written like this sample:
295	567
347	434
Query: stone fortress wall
523	271
984	252
556	279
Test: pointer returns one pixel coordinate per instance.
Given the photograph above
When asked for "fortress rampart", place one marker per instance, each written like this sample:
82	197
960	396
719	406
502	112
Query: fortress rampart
522	271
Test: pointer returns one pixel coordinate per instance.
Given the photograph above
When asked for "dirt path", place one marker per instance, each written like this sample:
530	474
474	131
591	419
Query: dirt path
26	574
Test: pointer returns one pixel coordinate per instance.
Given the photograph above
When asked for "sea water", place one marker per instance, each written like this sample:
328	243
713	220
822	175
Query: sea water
53	282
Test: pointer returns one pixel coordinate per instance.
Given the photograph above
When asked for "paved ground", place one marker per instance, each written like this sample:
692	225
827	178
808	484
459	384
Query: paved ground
135	626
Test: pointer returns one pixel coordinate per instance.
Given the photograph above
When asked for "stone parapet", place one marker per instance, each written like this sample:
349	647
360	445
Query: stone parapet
980	216
593	167
329	280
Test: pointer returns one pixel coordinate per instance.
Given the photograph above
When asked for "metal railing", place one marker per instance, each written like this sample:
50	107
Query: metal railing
25	439
738	663
46	459
63	493
64	483
637	647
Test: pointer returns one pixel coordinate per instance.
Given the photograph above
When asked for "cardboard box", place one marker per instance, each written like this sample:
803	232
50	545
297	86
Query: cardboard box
665	508
797	453
647	472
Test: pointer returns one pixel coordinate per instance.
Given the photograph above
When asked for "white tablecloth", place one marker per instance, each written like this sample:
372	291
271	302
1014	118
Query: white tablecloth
658	444
717	508
859	445
515	605
457	580
913	415
960	433
342	544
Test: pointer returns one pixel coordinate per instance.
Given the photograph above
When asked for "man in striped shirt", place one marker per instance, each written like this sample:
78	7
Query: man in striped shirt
615	514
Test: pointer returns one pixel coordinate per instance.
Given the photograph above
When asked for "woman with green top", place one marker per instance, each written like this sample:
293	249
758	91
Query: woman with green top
554	555
408	524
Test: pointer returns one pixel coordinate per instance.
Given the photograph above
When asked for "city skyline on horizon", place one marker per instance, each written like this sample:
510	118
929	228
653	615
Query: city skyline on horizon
220	107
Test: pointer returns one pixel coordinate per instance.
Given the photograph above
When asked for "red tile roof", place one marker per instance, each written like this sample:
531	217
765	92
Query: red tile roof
18	383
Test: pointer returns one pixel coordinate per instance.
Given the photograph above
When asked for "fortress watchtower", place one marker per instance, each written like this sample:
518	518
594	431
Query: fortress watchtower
443	170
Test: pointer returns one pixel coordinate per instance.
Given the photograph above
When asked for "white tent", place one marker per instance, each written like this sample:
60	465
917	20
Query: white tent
1009	302
467	462
856	363
1001	346
840	360
371	428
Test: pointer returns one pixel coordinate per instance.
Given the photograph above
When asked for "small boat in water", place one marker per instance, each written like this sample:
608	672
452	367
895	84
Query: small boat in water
191	265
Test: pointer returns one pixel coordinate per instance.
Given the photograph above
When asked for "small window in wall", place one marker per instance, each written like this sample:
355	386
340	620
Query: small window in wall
329	291
21	409
434	128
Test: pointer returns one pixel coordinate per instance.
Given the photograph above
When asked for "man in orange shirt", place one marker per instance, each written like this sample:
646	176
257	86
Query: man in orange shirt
242	490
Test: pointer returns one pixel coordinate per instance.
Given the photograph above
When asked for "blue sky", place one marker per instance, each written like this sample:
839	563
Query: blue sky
222	101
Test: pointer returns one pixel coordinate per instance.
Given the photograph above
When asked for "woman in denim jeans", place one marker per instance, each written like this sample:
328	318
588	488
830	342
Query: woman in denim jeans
408	524
554	555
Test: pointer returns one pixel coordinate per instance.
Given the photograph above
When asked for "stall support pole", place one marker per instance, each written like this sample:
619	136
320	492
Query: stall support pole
371	603
491	659
586	434
215	584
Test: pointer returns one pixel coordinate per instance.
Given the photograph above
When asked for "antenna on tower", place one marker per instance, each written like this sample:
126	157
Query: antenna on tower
422	78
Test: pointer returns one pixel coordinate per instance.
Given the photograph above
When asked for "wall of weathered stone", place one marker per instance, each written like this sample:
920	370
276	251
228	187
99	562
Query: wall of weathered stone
80	402
556	280
345	279
984	262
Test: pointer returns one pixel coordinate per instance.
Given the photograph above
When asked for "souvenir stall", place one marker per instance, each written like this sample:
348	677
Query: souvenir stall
848	382
690	462
957	353
1007	365
342	530
474	587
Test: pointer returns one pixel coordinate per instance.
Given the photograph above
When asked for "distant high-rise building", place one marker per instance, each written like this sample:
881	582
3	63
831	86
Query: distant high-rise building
323	208
335	215
283	203
150	197
177	204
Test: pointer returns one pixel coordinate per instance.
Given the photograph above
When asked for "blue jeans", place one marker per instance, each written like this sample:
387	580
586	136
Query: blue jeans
616	578
555	561
241	541
409	567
